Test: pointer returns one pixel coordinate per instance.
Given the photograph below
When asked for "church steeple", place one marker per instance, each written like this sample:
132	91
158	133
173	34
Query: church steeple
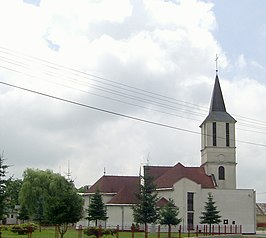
217	102
217	110
218	141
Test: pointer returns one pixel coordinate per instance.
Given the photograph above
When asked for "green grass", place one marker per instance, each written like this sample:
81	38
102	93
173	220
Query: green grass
72	233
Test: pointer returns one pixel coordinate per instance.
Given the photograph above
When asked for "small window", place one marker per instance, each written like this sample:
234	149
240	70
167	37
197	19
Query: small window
214	134
221	173
227	136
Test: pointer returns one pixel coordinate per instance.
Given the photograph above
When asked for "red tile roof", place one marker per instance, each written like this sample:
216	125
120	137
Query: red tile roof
179	171
124	188
162	202
113	184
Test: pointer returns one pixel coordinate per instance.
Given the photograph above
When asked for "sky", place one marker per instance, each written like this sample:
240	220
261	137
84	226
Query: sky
94	87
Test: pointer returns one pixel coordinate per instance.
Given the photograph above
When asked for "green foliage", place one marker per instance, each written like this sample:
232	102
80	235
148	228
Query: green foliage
23	214
146	211
95	231
35	191
211	214
13	187
96	209
23	228
83	189
169	214
3	181
50	198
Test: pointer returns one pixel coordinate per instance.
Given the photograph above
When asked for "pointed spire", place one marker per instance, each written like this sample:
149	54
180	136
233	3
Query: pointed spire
217	102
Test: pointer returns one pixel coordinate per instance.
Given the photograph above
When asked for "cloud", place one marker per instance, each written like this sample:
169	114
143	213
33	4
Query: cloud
164	47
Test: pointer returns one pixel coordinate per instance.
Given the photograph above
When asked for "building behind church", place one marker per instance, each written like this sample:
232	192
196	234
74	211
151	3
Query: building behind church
189	186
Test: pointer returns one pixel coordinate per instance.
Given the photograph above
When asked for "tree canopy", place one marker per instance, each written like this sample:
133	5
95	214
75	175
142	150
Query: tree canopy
3	181
50	198
96	209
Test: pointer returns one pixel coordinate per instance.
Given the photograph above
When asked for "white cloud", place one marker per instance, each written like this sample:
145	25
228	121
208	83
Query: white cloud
160	46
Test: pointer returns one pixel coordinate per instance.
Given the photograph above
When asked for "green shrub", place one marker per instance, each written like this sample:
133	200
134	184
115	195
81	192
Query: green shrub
23	229
94	231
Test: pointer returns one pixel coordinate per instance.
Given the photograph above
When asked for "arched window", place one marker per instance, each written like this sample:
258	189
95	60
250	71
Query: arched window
221	173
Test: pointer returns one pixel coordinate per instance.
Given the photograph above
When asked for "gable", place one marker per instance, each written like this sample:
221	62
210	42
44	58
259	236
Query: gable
177	172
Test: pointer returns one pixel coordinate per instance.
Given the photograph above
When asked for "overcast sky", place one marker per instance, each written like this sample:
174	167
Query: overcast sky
151	60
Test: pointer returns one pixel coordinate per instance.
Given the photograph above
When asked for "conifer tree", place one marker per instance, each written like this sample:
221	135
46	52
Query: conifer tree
146	211
169	215
3	181
211	214
96	209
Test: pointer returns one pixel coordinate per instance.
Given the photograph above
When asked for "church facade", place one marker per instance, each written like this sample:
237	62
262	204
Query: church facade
189	186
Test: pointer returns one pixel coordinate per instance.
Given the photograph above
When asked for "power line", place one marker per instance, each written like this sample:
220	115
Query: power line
250	122
116	113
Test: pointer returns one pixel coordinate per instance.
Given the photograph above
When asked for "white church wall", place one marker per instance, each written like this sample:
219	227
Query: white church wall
121	215
235	206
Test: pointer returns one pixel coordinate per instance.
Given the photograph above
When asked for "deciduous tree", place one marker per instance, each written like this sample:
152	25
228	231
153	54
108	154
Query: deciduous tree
50	198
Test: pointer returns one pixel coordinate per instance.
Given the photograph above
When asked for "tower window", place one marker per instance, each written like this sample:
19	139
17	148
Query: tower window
214	134
227	134
221	173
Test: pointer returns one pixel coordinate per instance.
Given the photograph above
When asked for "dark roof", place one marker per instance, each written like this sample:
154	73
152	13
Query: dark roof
217	102
162	202
113	184
156	171
124	188
179	171
217	110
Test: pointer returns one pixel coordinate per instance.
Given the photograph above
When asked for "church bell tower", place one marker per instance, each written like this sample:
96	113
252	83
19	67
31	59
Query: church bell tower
218	150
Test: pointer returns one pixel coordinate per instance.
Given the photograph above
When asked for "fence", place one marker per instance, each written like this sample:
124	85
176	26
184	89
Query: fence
178	231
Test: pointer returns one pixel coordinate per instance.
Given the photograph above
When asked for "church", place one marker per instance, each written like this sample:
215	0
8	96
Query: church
189	186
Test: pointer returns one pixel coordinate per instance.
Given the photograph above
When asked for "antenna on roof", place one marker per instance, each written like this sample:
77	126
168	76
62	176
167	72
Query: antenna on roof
104	172
68	173
216	59
148	159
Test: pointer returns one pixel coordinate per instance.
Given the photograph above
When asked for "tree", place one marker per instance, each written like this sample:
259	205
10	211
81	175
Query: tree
65	205
13	187
3	181
23	214
35	192
211	214
96	209
146	211
50	198
169	215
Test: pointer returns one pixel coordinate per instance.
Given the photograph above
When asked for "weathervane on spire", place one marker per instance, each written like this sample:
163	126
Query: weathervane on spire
216	59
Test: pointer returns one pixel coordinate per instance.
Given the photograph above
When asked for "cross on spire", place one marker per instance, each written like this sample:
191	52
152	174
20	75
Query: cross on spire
216	59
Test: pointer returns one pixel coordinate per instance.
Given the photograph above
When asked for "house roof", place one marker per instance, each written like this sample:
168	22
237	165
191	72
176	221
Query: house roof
124	188
261	209
113	184
179	171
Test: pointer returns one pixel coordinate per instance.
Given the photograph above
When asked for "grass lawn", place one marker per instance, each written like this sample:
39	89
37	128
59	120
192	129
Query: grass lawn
72	233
